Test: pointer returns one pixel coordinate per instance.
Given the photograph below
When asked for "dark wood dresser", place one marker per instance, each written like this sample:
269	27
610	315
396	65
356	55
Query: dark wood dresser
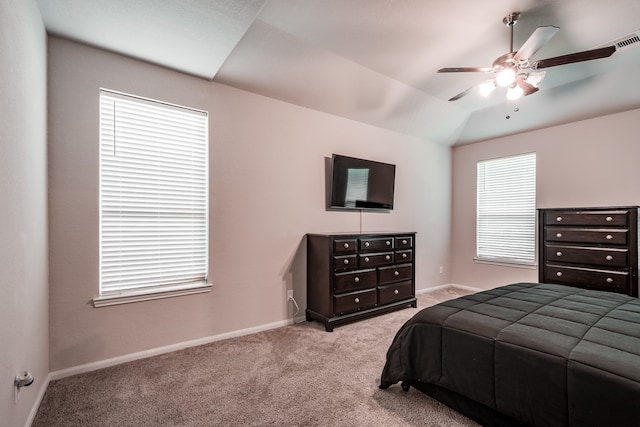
354	276
593	248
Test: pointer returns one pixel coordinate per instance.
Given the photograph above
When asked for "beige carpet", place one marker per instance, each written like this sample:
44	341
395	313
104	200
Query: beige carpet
297	375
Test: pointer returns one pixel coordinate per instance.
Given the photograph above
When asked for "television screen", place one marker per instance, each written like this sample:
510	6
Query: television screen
361	184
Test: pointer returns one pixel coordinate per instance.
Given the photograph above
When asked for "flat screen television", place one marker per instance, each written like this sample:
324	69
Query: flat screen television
361	184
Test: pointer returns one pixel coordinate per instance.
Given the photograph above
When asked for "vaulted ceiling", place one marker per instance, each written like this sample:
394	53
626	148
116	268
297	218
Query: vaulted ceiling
376	61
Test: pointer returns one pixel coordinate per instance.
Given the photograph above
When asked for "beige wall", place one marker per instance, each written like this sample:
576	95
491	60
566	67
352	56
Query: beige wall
23	208
267	188
583	164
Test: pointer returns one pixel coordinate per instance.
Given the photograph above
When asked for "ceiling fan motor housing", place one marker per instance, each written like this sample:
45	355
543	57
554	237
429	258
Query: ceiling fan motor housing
506	69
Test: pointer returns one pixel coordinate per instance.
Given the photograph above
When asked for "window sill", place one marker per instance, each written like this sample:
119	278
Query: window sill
127	297
505	263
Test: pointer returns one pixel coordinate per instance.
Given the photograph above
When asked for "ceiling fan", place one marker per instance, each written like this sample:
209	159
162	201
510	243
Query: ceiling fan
516	71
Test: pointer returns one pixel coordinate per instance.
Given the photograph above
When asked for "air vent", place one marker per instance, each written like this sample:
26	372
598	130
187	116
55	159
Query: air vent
627	41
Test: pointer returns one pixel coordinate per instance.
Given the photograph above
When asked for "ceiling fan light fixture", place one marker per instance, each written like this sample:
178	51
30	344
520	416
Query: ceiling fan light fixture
487	87
506	77
535	79
514	92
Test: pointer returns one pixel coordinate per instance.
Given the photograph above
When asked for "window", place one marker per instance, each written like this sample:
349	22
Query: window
506	210
153	199
357	186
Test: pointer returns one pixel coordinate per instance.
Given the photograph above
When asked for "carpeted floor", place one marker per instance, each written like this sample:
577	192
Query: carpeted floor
297	375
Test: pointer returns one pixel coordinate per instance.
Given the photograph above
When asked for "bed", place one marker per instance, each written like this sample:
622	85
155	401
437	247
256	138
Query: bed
526	354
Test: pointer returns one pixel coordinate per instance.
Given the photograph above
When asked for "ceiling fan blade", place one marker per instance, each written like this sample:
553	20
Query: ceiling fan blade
461	94
586	55
485	89
536	40
465	70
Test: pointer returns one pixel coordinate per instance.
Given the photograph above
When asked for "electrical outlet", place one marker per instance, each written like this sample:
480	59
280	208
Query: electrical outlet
441	269
289	294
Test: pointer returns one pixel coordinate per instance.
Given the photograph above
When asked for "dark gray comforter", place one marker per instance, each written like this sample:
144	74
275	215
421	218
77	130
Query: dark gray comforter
542	354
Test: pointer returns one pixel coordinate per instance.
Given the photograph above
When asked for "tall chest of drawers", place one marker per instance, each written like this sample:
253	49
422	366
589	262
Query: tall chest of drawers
593	248
354	276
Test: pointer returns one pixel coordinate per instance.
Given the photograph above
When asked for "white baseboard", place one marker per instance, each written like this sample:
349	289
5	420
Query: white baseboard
468	288
299	319
74	370
38	401
448	285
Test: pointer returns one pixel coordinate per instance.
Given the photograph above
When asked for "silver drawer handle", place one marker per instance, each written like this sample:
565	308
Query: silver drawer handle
609	258
608	219
366	244
559	274
346	246
388	242
558	253
366	259
404	242
387	257
396	273
559	219
404	255
346	261
357	300
357	279
609	237
396	292
609	280
559	235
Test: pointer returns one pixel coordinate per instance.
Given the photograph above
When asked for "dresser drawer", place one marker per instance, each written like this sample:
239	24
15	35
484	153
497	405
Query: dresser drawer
377	244
352	281
404	242
344	246
395	273
604	280
343	263
616	236
354	301
404	256
374	260
395	292
605	257
596	218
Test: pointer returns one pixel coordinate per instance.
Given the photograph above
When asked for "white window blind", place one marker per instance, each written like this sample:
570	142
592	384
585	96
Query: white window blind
506	209
153	195
357	186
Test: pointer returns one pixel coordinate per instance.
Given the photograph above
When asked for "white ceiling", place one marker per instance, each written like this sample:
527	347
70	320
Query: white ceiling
375	61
